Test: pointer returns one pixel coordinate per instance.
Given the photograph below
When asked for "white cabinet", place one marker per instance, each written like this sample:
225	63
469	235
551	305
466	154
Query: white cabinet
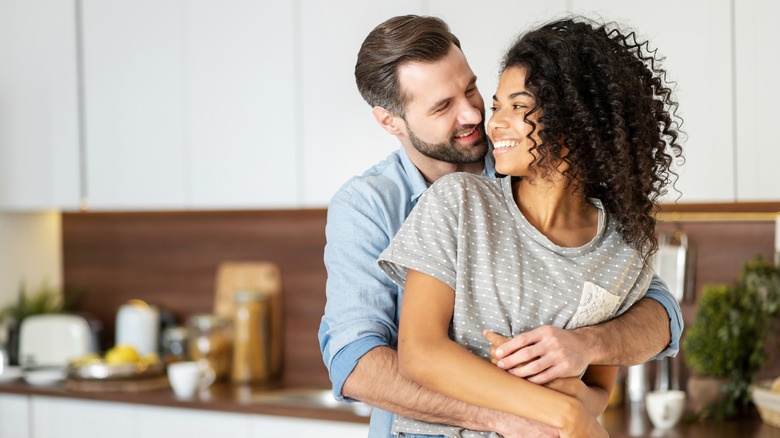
340	136
54	417
134	100
39	125
758	93
161	422
189	104
695	37
14	416
279	427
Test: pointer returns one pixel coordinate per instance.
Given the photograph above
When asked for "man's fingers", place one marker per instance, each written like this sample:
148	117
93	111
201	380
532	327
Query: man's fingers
521	356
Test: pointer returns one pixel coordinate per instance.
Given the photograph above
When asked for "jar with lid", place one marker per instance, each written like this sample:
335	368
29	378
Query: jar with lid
251	337
175	347
210	340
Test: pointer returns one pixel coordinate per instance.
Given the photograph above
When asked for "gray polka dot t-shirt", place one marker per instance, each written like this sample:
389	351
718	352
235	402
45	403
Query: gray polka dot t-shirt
507	276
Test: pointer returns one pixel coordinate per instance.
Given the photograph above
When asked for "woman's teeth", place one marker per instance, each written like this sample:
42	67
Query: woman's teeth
505	144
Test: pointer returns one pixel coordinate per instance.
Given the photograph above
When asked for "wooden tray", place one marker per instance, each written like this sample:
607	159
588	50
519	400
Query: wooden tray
233	276
137	385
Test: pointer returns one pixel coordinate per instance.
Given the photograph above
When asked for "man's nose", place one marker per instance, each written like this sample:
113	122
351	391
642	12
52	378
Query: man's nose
469	115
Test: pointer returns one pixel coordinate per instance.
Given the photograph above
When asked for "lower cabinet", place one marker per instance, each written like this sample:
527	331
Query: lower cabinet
14	416
23	416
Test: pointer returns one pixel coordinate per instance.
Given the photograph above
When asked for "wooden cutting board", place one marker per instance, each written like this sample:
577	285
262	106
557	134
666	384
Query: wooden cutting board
233	276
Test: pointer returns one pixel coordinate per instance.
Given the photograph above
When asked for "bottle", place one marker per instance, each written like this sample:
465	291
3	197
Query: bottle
250	338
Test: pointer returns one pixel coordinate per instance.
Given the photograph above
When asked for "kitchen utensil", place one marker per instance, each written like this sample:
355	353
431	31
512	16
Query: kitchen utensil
187	377
44	375
138	324
53	339
671	266
236	276
4	362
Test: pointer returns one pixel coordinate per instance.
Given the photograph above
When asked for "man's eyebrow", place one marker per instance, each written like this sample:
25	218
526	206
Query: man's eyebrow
446	99
514	95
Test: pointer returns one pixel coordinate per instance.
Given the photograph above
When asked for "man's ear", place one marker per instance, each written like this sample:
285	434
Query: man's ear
391	123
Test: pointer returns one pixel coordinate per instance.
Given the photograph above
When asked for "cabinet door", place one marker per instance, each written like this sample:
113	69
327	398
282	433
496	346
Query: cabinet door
161	422
285	427
39	128
134	97
241	127
14	416
695	37
340	136
54	417
758	93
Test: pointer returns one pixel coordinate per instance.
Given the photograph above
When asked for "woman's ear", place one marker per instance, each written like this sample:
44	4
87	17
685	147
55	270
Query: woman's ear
387	120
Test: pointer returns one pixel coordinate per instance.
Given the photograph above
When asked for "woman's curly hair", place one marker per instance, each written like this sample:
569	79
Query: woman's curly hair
603	95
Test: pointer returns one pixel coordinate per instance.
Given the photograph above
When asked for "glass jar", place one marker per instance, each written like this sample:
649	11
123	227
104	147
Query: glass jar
210	340
175	347
250	335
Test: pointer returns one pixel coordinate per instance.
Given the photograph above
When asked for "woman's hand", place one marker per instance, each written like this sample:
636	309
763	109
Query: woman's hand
540	355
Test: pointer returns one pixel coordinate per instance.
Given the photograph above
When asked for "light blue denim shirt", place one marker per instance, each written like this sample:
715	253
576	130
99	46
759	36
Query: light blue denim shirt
363	304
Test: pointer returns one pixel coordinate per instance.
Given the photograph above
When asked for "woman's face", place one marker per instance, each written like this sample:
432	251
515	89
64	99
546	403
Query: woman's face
507	127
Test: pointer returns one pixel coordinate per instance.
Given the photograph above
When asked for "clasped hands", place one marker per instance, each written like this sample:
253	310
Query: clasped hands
540	355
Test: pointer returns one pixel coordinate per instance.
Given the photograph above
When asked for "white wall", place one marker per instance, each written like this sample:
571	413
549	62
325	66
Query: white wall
30	251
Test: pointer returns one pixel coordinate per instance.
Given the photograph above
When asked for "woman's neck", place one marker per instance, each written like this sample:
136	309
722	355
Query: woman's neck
553	208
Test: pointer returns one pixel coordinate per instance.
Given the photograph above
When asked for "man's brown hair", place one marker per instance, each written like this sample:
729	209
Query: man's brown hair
408	38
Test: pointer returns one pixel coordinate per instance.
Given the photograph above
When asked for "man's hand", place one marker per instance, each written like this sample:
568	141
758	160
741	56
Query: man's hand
540	355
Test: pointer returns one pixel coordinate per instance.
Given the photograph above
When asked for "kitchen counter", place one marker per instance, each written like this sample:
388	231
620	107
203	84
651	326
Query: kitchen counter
221	397
622	422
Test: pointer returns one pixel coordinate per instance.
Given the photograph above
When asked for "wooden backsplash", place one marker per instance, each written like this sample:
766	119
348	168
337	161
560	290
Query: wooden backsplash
171	259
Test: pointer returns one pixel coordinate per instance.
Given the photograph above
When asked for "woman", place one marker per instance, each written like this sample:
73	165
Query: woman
583	126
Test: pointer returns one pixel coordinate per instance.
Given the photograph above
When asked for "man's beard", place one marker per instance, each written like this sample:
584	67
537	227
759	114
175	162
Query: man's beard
450	151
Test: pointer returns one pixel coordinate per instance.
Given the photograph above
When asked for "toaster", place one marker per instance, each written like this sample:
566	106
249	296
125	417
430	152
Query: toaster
53	339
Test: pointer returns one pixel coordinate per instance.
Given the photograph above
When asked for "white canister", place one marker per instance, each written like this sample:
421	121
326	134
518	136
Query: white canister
138	324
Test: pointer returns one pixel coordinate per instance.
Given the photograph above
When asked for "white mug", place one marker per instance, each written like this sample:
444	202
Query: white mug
665	407
187	377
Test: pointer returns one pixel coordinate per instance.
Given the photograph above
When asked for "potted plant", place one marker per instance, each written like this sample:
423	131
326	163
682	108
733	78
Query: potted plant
45	299
724	346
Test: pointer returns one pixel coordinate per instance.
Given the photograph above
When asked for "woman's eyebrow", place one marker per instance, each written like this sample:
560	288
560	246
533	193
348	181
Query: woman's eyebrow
514	95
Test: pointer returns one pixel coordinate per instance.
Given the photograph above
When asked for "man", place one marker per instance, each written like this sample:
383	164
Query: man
411	71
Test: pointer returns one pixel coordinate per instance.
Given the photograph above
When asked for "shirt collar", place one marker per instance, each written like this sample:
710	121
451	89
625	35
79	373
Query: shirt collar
418	183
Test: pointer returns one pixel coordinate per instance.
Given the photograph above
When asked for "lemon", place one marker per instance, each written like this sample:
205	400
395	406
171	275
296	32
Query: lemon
121	354
88	359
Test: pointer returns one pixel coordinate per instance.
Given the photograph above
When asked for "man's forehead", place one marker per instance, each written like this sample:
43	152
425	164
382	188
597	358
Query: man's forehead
425	82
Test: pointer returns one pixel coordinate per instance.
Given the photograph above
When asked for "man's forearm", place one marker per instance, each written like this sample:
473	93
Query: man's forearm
376	381
635	337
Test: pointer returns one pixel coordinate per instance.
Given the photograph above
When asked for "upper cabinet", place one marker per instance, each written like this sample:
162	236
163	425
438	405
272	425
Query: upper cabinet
39	124
695	40
758	93
340	137
245	104
189	104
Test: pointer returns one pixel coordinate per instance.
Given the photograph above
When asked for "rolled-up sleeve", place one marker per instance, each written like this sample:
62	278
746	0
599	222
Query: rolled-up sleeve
660	292
362	302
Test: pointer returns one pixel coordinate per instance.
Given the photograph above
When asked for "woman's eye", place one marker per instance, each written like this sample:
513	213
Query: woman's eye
519	106
493	109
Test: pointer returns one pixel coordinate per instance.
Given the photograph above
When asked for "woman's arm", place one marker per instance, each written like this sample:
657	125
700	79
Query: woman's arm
428	356
592	390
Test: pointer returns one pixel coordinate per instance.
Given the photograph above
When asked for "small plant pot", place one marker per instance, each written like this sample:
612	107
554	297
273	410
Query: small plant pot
704	391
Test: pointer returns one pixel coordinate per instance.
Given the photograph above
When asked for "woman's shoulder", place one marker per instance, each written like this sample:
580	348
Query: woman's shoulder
464	181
